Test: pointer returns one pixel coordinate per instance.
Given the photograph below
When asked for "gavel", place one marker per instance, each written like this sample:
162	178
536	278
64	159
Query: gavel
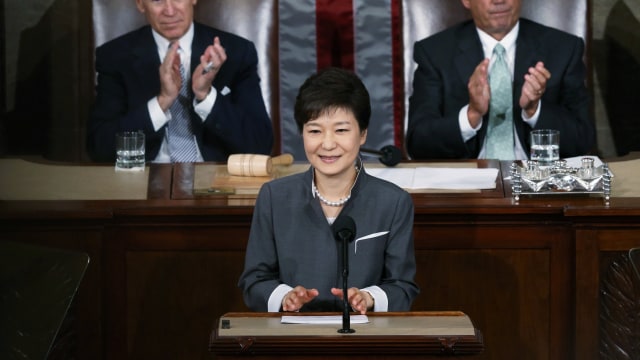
255	164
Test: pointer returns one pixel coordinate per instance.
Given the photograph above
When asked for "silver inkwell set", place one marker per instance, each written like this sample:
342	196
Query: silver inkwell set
528	177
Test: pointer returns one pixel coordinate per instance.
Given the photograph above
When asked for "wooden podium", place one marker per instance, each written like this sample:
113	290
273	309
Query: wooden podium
387	335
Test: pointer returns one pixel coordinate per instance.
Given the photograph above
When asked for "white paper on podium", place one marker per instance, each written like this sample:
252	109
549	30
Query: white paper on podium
403	177
328	319
438	178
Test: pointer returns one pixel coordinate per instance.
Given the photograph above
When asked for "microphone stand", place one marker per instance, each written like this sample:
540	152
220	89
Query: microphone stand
344	230
346	320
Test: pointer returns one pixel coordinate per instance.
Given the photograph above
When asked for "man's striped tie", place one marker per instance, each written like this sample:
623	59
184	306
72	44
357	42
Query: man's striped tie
182	144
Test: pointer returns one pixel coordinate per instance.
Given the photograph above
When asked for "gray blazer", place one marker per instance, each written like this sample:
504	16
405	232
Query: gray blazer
291	243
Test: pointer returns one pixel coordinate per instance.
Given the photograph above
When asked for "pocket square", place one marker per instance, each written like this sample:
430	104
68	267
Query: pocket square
366	237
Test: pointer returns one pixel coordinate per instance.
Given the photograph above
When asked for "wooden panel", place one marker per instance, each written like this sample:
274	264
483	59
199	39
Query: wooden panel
173	298
502	277
172	279
491	286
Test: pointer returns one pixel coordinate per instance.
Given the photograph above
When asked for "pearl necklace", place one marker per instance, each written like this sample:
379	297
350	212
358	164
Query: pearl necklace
330	203
342	201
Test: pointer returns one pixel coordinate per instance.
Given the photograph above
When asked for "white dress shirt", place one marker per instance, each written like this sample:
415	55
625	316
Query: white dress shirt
158	117
488	43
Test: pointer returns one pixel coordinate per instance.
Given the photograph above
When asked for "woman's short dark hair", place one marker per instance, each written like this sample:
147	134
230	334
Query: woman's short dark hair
331	89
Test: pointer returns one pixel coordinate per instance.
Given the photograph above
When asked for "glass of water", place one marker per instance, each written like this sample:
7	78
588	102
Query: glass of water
130	151
545	146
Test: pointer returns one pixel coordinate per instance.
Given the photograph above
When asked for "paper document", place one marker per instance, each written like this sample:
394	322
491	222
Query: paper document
403	177
438	178
329	319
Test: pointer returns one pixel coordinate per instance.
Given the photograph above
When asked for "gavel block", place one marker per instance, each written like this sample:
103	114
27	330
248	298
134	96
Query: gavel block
255	164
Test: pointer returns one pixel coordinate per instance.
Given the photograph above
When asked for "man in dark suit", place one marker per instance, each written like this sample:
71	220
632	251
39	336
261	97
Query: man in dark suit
449	107
139	87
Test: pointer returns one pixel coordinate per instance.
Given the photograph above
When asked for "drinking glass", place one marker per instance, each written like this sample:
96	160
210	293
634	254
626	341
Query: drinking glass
545	146
130	151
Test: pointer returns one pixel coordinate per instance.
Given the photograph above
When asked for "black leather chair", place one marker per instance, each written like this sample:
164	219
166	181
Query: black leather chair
37	287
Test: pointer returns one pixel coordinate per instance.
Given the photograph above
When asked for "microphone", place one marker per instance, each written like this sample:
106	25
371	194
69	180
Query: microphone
344	230
388	155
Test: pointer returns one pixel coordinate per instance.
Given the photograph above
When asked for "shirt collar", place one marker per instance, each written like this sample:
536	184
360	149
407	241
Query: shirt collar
185	43
508	42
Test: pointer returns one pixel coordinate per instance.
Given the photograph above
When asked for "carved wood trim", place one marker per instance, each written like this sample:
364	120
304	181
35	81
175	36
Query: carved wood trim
620	311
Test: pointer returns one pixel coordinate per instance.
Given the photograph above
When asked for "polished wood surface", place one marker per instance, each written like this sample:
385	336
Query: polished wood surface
185	180
386	335
529	273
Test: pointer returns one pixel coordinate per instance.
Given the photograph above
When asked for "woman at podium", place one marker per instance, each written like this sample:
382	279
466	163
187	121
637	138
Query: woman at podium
293	261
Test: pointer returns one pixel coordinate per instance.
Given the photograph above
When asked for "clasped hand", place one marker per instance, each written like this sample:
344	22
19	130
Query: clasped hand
360	301
535	82
171	81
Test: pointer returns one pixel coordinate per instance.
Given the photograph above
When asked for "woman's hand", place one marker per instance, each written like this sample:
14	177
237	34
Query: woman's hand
359	300
297	297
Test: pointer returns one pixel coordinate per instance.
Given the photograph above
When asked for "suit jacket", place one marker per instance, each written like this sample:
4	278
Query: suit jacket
128	78
292	243
445	63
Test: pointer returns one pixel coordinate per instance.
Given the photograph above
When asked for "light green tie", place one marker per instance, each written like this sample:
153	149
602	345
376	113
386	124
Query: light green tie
499	140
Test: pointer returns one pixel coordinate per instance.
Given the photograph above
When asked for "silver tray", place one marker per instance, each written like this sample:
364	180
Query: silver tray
529	178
